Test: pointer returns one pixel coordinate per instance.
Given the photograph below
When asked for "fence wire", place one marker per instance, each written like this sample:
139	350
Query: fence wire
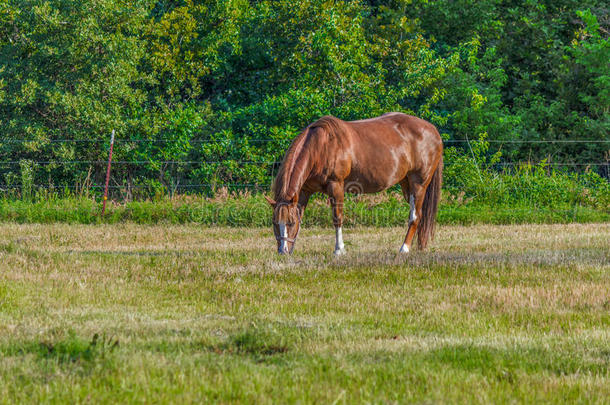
246	140
252	162
268	164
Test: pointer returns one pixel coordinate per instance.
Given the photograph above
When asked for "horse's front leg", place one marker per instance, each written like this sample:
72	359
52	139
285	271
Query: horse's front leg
335	192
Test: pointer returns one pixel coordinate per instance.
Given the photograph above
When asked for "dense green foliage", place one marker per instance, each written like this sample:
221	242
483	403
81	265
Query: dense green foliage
209	92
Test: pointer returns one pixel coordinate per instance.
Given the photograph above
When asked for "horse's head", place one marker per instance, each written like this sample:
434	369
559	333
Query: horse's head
286	224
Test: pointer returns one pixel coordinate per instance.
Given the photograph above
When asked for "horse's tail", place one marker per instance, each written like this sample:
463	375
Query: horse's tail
425	229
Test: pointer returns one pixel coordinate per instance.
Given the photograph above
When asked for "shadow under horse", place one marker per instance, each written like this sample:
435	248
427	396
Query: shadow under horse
332	156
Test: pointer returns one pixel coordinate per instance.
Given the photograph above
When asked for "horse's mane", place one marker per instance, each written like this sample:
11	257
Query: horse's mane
282	180
297	157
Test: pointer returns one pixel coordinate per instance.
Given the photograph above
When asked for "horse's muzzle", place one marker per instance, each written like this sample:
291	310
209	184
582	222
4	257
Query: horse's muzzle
285	250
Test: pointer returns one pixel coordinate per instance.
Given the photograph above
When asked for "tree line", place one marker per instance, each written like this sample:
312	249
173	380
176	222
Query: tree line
208	92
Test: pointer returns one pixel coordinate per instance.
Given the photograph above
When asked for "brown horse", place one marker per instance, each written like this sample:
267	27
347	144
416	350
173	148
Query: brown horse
332	156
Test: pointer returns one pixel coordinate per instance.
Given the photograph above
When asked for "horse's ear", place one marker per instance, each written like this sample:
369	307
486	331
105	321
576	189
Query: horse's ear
270	201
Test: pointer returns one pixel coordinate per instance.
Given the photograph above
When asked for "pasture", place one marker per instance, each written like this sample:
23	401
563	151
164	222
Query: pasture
184	313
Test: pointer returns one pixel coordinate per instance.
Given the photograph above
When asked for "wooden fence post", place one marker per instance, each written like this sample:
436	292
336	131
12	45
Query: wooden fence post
108	174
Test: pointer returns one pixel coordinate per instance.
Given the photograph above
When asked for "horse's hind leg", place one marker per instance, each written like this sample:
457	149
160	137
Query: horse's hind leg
415	192
336	194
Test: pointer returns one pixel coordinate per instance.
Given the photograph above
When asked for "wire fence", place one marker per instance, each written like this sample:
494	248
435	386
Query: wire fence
127	165
243	140
252	162
237	185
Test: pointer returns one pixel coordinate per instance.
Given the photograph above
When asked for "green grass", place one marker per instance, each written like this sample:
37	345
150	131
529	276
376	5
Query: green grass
183	313
384	209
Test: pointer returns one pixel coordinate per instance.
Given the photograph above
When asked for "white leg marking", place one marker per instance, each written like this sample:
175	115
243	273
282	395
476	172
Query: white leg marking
283	234
412	215
339	246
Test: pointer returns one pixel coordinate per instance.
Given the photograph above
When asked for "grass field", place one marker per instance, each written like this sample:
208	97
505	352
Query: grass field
181	313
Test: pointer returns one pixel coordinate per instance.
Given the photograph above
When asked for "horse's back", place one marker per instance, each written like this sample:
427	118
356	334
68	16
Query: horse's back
407	127
397	133
386	148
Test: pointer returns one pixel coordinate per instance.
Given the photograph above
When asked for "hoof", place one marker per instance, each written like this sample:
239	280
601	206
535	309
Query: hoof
339	252
404	249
